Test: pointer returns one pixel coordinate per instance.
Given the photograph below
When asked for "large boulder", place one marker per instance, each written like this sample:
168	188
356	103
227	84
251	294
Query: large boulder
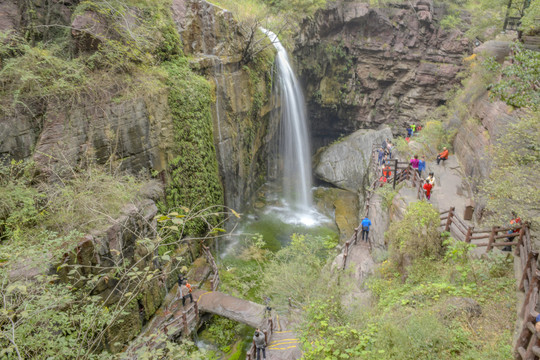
497	49
345	163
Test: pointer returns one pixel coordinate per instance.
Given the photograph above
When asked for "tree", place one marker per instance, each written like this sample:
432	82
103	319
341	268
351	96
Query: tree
519	84
513	182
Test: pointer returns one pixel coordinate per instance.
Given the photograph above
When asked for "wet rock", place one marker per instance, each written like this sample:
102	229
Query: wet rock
340	204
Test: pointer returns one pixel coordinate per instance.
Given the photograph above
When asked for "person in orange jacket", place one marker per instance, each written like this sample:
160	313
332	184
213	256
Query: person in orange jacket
442	156
387	171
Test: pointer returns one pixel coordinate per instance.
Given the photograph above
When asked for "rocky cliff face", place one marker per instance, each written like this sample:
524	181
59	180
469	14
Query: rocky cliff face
242	121
363	67
483	122
135	130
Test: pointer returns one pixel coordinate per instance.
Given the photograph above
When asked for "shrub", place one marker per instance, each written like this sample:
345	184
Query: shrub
416	236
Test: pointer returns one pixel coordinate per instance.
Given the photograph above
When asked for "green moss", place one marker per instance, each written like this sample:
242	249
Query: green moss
193	172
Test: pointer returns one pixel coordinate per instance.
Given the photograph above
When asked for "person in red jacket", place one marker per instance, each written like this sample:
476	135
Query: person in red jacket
442	156
427	187
387	171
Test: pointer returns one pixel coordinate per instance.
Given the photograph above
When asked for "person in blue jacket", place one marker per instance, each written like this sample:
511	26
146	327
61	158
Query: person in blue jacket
421	165
366	223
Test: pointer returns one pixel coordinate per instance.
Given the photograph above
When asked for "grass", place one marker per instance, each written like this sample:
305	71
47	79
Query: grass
87	200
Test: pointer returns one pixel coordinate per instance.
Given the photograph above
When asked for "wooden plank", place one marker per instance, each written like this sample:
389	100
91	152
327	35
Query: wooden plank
491	239
521	286
522	352
449	219
461	229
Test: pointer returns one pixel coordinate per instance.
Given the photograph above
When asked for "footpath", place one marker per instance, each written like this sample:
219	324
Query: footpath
450	190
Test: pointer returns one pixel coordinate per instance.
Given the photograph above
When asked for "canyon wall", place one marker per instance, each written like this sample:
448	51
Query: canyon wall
134	129
363	67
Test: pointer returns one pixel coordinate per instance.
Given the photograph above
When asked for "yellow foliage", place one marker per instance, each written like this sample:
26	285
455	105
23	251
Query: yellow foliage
470	58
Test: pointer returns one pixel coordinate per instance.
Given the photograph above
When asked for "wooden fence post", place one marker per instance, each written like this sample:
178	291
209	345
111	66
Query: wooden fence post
345	254
186	326
469	234
491	238
520	241
449	219
395	173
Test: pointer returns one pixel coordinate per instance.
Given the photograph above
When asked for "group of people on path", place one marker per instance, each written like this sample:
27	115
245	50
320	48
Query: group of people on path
384	155
419	165
411	129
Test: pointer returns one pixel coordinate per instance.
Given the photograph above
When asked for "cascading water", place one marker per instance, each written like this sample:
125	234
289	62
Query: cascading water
294	141
277	220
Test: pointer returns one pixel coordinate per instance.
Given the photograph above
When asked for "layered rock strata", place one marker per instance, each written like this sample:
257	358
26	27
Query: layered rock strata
363	67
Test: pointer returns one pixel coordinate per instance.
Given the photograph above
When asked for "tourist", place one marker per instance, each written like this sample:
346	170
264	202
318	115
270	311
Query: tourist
414	162
384	160
383	180
427	187
516	220
390	147
366	223
384	144
409	131
413	127
185	292
268	308
431	179
380	155
260	343
442	156
387	170
421	165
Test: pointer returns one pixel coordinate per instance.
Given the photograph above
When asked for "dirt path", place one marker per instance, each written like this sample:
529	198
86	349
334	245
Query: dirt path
450	188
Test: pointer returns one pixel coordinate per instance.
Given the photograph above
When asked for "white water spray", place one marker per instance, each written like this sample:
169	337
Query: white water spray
294	141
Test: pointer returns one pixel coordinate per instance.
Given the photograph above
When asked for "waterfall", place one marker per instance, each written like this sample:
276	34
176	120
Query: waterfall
293	140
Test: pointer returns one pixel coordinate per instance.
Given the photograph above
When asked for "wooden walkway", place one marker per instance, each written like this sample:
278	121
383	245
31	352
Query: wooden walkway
527	346
175	320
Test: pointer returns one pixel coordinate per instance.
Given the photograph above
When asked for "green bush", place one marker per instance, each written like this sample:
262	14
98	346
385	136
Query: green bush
193	174
416	236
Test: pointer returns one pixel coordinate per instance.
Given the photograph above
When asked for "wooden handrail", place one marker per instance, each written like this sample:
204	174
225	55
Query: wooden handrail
527	346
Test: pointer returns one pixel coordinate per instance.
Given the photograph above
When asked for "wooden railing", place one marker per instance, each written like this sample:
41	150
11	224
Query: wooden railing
528	343
214	280
463	232
267	328
189	315
347	246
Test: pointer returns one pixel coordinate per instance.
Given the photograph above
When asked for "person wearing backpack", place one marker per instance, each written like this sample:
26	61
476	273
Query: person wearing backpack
259	339
185	291
421	165
366	223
